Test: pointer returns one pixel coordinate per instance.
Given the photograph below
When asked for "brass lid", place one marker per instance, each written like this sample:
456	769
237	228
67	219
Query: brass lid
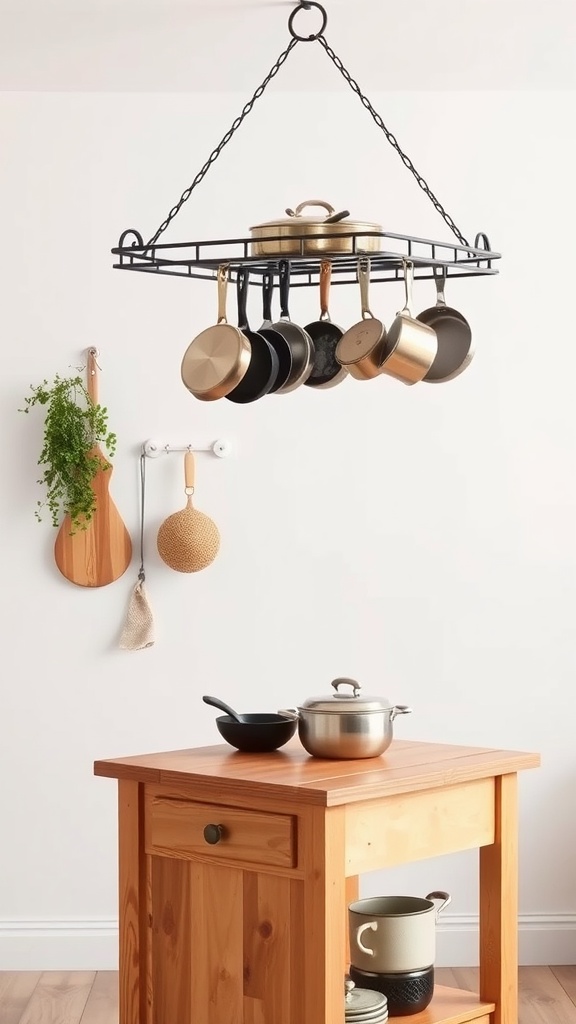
330	222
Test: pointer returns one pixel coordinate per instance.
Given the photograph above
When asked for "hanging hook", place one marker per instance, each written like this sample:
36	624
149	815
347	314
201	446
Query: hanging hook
307	5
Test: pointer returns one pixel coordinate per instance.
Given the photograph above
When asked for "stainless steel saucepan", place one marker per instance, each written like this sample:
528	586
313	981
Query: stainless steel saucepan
346	725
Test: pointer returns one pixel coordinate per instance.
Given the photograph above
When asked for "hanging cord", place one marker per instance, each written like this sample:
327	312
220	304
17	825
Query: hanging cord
141	573
296	38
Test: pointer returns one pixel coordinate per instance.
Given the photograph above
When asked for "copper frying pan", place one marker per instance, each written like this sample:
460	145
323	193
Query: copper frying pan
361	348
218	358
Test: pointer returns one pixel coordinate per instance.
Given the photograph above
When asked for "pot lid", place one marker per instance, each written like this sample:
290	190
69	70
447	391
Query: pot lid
330	216
363	1003
347	702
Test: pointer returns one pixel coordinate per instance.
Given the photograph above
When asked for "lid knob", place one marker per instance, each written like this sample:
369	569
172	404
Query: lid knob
356	688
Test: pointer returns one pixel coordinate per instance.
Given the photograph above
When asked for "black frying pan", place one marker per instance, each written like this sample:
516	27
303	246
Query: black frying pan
264	364
277	340
301	344
326	370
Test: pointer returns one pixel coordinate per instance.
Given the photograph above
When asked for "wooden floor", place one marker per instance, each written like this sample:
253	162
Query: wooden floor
547	995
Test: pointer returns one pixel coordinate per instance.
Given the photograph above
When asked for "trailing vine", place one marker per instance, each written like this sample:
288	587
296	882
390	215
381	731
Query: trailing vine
73	426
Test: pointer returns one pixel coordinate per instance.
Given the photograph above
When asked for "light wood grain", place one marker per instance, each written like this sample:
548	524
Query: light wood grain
323	927
172	954
132	903
541	993
59	998
499	906
175	828
452	817
16	988
290	774
543	1000
102	1004
566	976
101	552
217	932
266	944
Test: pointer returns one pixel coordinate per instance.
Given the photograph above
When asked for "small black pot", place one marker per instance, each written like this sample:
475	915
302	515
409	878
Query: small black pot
258	733
407	993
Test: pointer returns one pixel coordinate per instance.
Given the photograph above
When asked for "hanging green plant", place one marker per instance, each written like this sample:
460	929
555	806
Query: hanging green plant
73	426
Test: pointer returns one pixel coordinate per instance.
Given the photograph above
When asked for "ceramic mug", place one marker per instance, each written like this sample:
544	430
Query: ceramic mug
394	933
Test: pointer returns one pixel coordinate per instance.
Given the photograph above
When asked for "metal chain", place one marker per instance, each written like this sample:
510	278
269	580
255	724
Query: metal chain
392	140
226	139
365	102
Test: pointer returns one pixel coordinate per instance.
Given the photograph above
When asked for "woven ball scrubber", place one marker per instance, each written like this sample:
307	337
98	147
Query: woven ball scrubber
188	540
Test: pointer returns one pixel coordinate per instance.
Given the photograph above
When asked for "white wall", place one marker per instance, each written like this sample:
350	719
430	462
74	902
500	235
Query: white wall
420	539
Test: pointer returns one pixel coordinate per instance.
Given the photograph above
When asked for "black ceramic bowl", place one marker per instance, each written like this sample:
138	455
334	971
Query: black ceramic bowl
407	993
258	734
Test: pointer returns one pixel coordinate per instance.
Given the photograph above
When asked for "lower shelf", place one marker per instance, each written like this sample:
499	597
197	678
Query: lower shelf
451	1006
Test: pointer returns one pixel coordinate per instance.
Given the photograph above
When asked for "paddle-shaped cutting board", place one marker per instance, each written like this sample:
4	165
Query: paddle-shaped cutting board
102	552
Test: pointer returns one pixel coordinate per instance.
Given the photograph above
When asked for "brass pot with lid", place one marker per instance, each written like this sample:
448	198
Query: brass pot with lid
290	236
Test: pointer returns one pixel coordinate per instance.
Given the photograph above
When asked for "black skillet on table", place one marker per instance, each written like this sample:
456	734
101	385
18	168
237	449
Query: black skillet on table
277	340
326	371
264	364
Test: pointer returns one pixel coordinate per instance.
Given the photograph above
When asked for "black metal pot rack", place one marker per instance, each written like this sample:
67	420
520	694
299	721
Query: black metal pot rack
200	260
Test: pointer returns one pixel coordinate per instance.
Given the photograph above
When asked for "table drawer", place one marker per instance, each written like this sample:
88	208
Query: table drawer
177	828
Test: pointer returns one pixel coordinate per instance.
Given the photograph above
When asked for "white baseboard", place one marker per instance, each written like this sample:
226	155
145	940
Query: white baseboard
542	939
76	945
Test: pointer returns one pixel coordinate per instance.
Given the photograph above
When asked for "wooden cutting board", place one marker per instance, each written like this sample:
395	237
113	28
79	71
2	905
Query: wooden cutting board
102	552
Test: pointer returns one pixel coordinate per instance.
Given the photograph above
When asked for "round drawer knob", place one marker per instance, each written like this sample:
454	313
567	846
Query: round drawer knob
213	834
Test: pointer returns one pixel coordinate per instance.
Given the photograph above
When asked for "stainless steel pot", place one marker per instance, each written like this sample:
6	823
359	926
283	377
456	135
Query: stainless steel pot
290	236
346	725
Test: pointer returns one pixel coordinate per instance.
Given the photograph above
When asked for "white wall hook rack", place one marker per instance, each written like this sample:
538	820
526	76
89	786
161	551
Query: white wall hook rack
154	449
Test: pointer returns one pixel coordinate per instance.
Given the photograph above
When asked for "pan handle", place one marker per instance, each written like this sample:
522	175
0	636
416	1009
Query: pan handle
291	713
440	281
267	293
364	279
284	271
222	290
242	279
400	709
408	279
325	279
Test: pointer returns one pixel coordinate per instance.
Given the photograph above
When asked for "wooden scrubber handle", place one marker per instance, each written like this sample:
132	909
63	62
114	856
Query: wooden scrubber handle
92	375
189	473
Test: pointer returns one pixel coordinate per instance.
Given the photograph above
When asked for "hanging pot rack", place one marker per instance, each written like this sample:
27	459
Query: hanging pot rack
201	259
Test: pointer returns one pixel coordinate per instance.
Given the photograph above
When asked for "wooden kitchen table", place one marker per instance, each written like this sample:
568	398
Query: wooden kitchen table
236	871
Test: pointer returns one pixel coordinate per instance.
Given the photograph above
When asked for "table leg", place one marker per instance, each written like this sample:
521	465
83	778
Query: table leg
323	924
132	904
352	893
499	907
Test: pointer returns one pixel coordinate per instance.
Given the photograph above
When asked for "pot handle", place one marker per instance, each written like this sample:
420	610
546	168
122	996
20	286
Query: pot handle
310	202
373	926
401	709
291	713
440	895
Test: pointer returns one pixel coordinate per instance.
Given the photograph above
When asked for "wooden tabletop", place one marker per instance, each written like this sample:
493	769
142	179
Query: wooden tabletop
291	773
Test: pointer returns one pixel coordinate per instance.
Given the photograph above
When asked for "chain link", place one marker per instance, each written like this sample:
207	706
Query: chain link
392	140
365	102
224	141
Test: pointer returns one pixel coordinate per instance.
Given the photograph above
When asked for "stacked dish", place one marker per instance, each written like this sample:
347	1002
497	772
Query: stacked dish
364	1006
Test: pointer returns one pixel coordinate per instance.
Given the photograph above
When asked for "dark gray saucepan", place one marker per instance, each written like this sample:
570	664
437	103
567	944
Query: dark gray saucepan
277	340
301	344
326	371
455	350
